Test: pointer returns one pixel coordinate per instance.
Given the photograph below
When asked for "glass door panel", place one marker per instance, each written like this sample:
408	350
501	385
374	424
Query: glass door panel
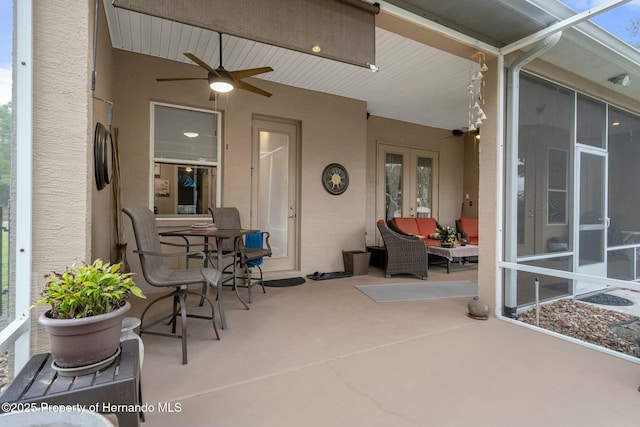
423	183
409	184
393	171
274	190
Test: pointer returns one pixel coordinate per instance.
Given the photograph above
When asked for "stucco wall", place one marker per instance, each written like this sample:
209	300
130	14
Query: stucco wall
61	140
333	129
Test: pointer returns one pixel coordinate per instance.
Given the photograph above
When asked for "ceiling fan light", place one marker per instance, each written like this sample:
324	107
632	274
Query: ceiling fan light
222	83
221	86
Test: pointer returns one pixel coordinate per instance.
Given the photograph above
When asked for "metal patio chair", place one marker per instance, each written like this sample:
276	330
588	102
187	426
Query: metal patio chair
156	273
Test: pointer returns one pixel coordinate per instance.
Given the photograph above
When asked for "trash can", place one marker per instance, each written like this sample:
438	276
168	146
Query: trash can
356	262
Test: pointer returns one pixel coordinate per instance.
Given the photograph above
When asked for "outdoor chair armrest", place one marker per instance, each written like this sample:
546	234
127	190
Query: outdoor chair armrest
211	275
266	239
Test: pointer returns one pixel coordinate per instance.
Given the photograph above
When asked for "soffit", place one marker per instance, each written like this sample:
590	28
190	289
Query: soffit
416	83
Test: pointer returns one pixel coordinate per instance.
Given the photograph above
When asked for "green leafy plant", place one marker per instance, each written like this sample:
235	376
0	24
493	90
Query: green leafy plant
87	290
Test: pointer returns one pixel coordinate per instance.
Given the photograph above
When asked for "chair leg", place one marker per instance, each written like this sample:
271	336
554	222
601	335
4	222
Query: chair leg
183	321
174	312
144	312
261	280
179	296
250	285
213	316
247	273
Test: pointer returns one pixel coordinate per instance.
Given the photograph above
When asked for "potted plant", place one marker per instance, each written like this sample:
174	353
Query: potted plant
88	302
448	236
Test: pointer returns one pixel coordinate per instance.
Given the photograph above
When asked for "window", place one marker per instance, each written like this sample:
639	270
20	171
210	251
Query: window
557	180
186	160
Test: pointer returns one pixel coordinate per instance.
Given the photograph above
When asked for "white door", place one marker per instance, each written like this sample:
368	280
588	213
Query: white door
274	190
407	182
592	217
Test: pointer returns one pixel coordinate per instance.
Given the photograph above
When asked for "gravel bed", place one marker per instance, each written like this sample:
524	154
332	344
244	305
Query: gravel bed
606	328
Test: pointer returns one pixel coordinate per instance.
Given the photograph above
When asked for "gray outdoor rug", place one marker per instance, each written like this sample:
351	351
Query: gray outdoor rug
419	291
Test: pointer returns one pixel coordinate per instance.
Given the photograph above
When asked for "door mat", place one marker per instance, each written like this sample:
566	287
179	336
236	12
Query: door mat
606	299
327	276
283	283
419	291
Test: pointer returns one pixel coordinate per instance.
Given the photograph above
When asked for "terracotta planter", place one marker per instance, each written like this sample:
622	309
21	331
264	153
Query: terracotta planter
86	341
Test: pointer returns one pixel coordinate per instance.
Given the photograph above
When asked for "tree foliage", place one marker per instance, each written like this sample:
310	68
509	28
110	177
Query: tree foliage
5	153
634	32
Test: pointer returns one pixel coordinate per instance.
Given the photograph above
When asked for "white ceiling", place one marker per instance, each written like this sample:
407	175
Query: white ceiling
416	83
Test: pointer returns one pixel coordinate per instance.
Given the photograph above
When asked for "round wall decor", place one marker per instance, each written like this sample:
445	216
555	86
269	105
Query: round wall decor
335	179
102	156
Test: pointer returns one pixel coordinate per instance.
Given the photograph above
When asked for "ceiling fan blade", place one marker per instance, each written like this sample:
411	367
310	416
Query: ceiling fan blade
246	86
199	61
241	74
173	79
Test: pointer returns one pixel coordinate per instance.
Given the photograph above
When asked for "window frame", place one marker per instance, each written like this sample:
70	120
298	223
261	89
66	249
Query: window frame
217	165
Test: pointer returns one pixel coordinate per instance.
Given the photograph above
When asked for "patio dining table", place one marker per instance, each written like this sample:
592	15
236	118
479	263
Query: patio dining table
219	235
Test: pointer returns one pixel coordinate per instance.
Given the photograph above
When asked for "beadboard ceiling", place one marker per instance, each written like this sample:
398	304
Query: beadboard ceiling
416	83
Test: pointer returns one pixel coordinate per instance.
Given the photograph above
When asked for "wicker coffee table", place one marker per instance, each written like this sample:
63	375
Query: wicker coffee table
457	253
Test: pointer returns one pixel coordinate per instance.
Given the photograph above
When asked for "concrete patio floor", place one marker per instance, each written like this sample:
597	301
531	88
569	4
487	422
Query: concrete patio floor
324	354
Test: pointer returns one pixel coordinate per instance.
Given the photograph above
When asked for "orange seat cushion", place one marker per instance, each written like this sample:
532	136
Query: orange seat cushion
470	226
427	226
408	225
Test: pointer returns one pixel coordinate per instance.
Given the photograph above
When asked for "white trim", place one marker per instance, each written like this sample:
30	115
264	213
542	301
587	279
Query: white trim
500	179
24	147
559	26
571	340
616	283
438	28
13	331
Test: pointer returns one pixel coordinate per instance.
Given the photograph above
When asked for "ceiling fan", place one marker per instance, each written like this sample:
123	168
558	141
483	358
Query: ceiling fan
220	80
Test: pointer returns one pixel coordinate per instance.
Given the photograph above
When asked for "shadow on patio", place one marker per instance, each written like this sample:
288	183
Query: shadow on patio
324	354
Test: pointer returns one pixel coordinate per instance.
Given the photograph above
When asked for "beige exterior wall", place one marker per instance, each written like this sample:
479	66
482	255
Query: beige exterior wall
61	140
333	129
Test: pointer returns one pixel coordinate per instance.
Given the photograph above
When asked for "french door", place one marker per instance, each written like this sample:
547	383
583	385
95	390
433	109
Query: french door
275	189
407	182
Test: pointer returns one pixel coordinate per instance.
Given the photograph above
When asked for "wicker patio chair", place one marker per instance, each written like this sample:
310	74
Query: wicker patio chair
405	254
